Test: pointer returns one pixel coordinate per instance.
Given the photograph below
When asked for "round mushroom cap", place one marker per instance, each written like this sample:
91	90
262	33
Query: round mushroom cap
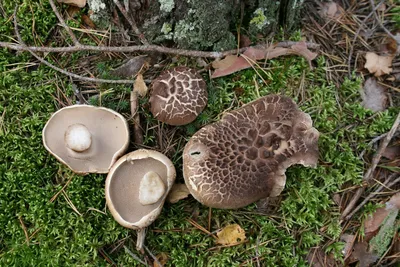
87	139
137	186
243	157
178	96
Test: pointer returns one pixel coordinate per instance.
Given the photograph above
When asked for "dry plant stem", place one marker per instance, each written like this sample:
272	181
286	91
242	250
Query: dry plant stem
374	8
385	184
140	48
134	256
156	262
356	36
131	22
375	161
137	130
60	18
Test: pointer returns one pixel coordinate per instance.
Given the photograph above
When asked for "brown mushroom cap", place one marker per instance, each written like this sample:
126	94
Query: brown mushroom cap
131	174
87	139
243	157
178	96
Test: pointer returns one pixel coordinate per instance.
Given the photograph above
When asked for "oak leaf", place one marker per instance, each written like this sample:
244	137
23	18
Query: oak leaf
378	65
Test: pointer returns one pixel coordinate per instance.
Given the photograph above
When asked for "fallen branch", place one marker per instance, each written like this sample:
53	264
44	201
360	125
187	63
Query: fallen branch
62	22
140	48
386	184
375	160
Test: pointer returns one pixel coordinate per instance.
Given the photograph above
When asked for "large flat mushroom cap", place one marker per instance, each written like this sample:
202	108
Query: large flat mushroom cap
243	157
107	129
125	181
178	96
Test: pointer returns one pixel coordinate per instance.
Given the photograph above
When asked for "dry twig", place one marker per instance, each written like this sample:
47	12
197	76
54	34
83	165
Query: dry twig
62	22
368	174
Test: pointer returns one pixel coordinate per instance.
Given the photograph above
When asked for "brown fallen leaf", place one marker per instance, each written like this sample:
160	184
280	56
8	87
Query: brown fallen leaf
78	3
131	67
162	259
378	65
349	242
330	10
178	192
232	63
230	235
140	86
362	254
316	257
392	152
374	95
88	21
244	41
375	220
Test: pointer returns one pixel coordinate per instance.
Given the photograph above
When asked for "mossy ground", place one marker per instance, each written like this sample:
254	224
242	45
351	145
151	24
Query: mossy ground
304	216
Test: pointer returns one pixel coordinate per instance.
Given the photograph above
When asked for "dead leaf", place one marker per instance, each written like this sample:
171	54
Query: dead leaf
178	192
88	21
140	86
330	10
244	41
230	235
349	242
361	253
374	221
316	257
374	95
131	67
392	152
379	65
162	259
232	63
78	3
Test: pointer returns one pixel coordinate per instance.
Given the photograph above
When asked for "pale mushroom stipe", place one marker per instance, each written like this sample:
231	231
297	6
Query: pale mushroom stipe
178	96
243	157
87	139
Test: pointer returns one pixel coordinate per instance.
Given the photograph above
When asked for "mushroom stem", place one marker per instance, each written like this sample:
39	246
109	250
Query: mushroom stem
141	235
137	130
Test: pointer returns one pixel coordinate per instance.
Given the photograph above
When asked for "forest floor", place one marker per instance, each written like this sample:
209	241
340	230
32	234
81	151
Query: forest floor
343	212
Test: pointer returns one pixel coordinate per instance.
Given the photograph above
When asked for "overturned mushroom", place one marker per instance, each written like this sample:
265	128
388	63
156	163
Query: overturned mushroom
136	188
178	96
87	139
243	157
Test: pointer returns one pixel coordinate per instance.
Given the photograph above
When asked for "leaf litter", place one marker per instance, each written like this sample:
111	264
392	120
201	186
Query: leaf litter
249	57
178	192
374	95
378	65
231	234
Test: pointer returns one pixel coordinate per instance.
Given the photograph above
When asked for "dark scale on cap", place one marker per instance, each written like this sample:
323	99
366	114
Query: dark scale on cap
178	96
243	157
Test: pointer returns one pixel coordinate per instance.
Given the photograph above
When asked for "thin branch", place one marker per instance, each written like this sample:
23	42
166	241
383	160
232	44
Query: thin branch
131	22
134	256
375	161
356	36
380	22
140	48
60	18
386	183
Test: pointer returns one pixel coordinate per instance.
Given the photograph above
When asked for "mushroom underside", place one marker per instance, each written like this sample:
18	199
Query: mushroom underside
108	132
125	184
243	157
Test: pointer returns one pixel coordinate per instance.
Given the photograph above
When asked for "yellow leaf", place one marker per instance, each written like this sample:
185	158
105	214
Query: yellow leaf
140	86
162	259
378	65
231	234
178	192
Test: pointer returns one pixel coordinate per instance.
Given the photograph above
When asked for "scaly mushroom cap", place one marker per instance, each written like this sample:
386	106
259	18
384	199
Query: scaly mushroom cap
243	157
178	96
137	186
87	139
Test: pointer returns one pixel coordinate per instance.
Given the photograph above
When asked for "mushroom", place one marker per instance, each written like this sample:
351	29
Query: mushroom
243	157
87	139
136	188
178	96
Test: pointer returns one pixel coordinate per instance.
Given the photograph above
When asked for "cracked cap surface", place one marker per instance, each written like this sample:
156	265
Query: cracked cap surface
243	157
178	96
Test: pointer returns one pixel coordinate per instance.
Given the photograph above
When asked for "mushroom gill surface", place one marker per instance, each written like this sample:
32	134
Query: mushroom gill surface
243	157
178	96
